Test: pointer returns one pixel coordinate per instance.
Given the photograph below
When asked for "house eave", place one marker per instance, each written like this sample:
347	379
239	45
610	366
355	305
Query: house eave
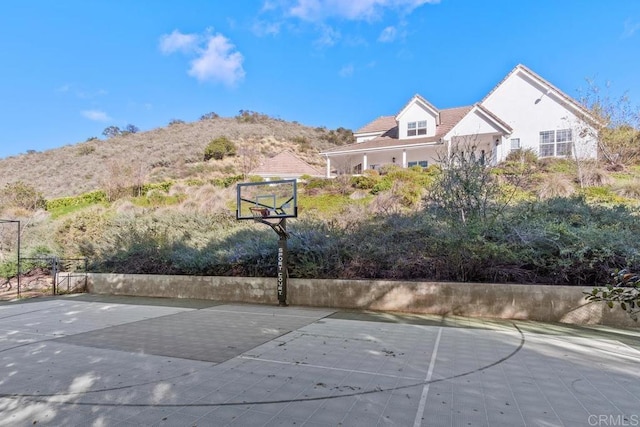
386	148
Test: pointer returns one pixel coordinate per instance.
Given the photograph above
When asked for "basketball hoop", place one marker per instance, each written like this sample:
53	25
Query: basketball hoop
262	215
259	212
271	203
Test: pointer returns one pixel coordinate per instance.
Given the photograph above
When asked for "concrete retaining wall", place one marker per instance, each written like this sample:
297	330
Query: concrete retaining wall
532	302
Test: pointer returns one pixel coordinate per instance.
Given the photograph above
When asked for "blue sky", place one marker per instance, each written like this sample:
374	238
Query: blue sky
71	68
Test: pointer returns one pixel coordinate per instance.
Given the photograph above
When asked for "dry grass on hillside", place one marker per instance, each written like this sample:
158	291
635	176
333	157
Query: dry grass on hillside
172	152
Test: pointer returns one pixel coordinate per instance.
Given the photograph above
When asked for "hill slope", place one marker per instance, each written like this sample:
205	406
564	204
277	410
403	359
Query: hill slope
171	152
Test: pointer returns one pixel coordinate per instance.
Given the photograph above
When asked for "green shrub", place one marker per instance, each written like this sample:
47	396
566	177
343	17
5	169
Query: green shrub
557	165
218	148
157	186
623	289
383	185
227	181
603	195
155	198
364	182
528	156
86	199
8	269
318	183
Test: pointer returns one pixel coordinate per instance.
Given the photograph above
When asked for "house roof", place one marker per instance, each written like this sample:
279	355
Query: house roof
421	99
534	76
381	124
493	117
448	119
286	164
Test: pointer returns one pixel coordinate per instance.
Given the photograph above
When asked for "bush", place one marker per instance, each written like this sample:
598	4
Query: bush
218	148
340	136
318	183
364	182
623	290
21	195
209	116
248	116
86	149
523	156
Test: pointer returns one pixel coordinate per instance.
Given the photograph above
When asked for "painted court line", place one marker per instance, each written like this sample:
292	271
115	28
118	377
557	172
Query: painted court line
328	368
425	390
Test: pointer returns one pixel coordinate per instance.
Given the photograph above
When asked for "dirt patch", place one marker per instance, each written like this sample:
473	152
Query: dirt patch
35	283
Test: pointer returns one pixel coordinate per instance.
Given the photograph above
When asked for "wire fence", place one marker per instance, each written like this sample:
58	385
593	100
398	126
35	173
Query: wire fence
48	275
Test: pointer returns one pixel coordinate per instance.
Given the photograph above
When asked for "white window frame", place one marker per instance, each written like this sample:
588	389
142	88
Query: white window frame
555	143
421	163
515	144
417	128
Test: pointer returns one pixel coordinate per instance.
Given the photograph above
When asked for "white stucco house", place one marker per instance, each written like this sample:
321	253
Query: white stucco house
523	111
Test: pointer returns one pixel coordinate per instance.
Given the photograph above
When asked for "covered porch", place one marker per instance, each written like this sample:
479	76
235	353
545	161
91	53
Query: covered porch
354	160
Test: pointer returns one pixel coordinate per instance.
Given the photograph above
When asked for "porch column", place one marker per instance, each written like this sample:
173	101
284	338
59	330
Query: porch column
448	149
364	162
404	158
328	167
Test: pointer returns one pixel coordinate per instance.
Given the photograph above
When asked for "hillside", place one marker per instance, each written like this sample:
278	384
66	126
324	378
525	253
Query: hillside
171	152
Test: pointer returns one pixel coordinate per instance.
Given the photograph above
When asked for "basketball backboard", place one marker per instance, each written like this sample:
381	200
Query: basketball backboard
269	199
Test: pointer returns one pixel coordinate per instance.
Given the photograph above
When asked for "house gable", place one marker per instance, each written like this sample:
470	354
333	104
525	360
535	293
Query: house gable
418	119
479	121
532	107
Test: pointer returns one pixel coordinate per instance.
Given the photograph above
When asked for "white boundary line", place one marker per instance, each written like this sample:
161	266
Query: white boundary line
425	390
329	368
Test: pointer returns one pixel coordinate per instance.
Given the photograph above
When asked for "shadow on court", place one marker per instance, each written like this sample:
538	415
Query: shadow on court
104	360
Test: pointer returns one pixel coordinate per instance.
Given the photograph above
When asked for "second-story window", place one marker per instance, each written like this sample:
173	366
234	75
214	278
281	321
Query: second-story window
417	128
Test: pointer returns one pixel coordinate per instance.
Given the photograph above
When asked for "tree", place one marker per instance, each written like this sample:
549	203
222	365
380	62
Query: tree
124	178
111	131
218	148
130	129
465	188
209	116
617	124
249	159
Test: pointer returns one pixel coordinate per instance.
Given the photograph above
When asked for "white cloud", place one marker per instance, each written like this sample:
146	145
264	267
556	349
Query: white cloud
328	38
346	71
90	95
177	41
216	58
368	10
388	34
630	28
218	62
96	115
264	28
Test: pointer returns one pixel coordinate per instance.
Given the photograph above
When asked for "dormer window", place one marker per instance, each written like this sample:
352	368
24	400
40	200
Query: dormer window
417	128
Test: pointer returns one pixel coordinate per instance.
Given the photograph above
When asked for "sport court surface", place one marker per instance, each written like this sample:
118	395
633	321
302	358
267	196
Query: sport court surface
100	361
